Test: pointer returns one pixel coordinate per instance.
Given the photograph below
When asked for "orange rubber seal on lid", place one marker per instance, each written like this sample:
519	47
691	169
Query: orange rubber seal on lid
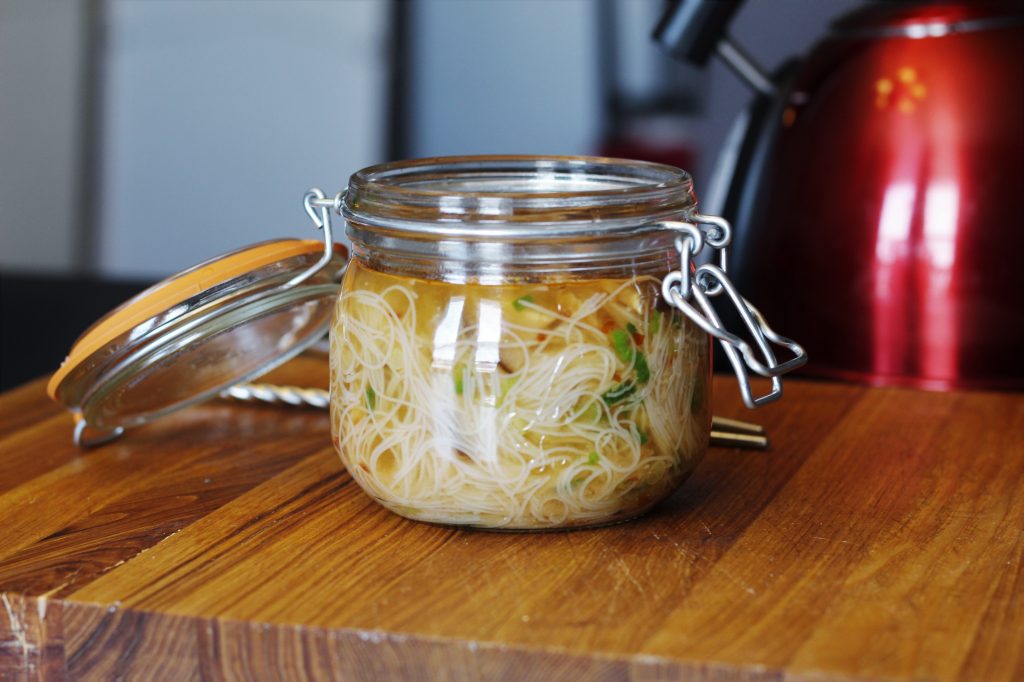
172	291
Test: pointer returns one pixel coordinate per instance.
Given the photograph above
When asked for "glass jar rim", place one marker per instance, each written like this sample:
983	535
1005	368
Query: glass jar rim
514	196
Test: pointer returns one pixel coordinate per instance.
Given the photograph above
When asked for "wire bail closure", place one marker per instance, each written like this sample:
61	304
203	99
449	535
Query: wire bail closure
698	284
318	208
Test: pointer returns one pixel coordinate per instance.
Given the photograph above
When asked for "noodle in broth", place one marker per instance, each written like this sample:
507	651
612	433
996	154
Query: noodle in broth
518	405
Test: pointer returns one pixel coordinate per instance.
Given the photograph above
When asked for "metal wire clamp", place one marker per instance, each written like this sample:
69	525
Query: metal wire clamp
698	284
315	200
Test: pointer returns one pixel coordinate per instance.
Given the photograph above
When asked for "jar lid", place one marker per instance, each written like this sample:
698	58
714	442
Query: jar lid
189	337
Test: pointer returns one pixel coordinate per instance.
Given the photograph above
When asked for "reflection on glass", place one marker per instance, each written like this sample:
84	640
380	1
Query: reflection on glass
516	406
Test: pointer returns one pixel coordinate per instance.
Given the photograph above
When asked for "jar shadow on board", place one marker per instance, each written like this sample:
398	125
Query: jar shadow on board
501	353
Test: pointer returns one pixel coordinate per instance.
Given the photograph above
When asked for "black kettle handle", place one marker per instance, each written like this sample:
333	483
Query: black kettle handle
691	29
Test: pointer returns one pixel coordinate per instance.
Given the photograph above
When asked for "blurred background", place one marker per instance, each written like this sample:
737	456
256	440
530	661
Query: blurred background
138	137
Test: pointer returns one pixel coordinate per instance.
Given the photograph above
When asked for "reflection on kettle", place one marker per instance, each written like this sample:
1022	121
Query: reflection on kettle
886	169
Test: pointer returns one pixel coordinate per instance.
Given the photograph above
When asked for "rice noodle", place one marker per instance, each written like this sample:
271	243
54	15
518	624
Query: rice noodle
516	406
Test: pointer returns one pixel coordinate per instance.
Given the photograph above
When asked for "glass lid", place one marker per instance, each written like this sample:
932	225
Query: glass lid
186	339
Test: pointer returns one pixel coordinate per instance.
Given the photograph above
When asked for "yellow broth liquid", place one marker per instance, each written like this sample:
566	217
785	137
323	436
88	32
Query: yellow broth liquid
516	406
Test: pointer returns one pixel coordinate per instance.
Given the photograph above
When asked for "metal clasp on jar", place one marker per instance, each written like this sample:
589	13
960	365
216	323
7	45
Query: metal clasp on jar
692	284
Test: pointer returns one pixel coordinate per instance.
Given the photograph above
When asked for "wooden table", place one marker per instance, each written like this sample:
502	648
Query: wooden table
880	537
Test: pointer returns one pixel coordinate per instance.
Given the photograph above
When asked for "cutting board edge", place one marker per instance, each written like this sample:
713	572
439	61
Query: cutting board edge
60	639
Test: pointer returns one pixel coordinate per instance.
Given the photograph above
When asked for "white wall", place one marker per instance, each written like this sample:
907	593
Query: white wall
40	58
504	76
220	115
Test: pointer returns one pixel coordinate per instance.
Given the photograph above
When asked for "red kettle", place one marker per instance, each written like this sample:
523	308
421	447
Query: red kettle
878	192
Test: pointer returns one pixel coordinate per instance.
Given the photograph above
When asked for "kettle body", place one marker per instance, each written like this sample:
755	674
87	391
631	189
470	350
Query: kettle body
895	185
879	209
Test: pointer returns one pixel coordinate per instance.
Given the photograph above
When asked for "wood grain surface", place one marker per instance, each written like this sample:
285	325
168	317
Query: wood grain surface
881	537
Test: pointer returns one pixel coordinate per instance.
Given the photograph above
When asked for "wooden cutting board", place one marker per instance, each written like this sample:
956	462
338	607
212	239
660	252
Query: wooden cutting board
881	537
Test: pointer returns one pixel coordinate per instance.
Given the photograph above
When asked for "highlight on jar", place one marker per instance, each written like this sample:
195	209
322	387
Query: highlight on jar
516	342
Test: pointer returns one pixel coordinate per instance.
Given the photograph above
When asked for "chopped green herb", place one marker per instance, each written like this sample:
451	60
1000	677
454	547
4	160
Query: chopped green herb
631	328
698	395
593	457
519	303
643	372
457	373
622	345
655	323
619	393
642	437
371	398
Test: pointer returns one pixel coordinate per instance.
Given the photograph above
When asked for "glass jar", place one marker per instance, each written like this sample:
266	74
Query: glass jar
502	355
516	343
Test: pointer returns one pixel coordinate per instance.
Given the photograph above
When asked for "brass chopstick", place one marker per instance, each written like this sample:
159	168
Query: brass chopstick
735	425
729	439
